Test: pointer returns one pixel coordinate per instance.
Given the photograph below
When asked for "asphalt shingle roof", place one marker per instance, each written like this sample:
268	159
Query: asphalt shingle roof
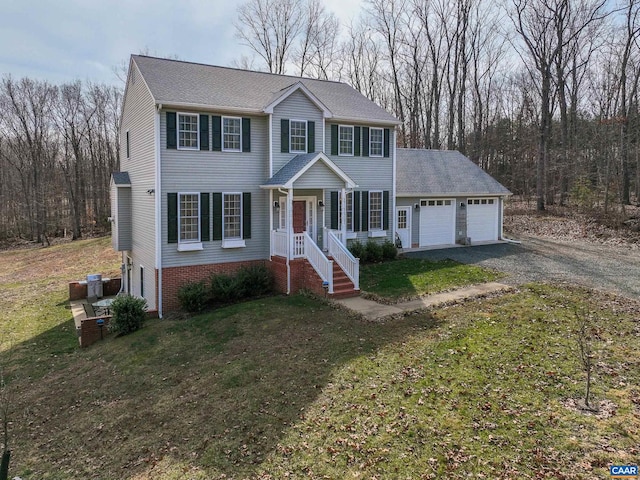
442	172
173	81
290	169
121	178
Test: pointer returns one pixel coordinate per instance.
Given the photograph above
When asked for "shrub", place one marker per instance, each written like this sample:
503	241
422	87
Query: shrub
374	252
357	250
128	314
193	296
225	288
254	280
389	251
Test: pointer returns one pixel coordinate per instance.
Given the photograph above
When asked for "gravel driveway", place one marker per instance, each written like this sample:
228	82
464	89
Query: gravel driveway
613	269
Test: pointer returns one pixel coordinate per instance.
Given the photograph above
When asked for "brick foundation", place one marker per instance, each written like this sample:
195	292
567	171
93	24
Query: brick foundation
303	276
174	277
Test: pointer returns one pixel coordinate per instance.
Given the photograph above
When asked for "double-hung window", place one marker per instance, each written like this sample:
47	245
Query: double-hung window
376	142
188	133
232	216
298	136
345	140
231	134
375	210
349	217
189	217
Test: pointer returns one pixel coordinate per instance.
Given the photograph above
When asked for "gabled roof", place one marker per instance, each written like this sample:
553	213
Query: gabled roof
176	83
442	172
121	179
295	168
283	94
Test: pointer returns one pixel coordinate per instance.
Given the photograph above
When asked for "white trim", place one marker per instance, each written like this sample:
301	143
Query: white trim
233	240
189	246
377	233
408	209
394	163
233	243
319	156
270	145
353	141
381	142
158	206
381	229
314	201
184	242
306	135
222	119
187	114
293	88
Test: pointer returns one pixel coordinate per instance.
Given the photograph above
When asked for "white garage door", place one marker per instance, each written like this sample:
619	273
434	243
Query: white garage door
437	222
482	219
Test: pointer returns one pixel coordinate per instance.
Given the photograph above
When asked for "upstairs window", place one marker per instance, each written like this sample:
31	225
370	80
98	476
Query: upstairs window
231	134
188	131
298	136
345	140
376	142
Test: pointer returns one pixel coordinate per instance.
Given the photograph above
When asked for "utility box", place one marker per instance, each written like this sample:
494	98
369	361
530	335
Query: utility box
94	285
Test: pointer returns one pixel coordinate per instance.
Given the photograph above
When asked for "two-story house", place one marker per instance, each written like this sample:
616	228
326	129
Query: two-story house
223	167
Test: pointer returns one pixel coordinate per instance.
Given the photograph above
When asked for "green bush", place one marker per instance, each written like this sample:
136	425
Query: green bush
225	288
389	251
128	314
254	280
193	296
357	250
374	252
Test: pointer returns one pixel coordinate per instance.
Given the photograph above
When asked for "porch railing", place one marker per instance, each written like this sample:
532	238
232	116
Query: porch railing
279	243
318	261
299	245
344	258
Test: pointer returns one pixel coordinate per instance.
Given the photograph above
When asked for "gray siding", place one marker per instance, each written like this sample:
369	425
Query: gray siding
319	175
121	226
295	107
138	118
208	171
369	173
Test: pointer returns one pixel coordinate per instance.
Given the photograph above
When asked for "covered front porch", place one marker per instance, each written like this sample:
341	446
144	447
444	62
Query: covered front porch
302	195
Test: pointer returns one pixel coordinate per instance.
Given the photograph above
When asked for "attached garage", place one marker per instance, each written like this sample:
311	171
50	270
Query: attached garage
452	200
483	218
437	222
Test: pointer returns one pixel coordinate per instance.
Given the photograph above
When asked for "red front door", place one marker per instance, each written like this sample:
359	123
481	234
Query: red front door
299	216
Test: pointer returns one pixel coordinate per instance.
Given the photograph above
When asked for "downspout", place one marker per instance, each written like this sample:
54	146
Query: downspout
288	225
158	200
393	190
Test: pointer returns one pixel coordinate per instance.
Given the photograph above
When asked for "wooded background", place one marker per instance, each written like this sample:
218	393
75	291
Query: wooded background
543	94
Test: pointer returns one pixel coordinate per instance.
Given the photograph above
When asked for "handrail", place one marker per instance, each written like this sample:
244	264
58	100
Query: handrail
318	261
279	244
343	257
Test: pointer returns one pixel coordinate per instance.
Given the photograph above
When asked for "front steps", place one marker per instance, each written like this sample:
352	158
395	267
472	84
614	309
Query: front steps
342	286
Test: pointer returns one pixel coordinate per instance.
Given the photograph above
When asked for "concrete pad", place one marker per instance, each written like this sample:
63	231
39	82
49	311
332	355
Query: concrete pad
374	311
368	308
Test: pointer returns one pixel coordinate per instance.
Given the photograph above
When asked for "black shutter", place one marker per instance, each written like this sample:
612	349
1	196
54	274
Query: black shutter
217	216
128	149
284	135
356	211
356	141
205	217
246	134
334	139
246	215
172	140
365	141
385	210
172	218
387	134
204	132
216	126
334	211
311	137
365	211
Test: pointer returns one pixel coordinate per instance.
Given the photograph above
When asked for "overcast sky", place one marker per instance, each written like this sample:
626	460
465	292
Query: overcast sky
65	40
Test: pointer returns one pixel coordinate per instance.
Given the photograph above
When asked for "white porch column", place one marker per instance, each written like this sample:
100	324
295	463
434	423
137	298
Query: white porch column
343	210
324	223
290	221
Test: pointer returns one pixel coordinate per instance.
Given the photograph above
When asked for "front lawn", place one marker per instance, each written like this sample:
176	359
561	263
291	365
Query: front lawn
411	277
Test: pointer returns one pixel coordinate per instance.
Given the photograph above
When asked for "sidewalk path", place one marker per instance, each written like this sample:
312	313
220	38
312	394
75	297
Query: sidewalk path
375	311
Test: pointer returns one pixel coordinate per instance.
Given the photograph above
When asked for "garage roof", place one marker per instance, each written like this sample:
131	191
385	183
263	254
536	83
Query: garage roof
442	173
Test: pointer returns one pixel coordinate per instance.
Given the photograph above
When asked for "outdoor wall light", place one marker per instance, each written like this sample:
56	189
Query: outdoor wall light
320	203
416	206
276	205
463	205
151	191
